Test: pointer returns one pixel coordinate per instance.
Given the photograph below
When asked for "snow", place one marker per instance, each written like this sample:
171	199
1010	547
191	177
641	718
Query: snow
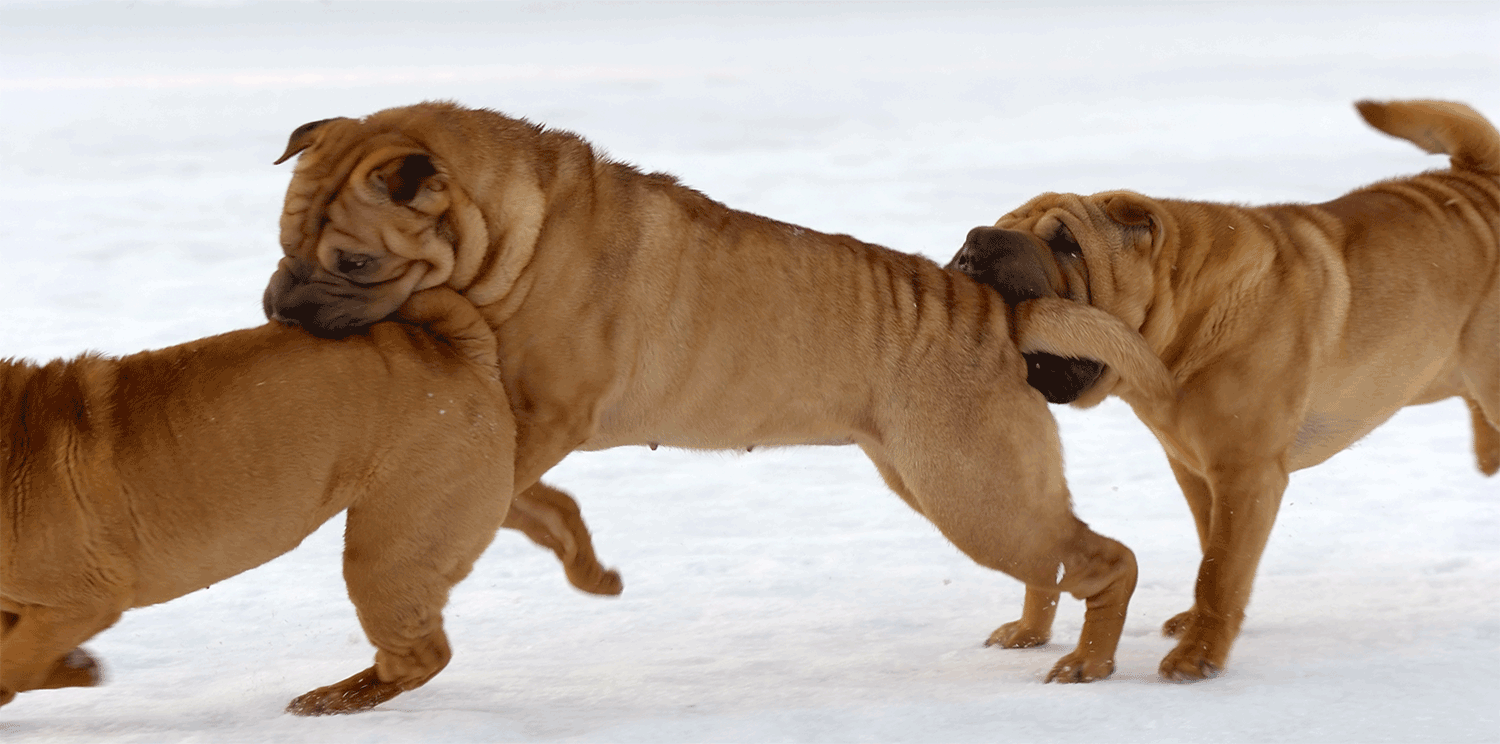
782	595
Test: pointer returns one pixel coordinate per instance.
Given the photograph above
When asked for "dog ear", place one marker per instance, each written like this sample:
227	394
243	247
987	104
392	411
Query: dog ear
406	178
1137	215
1130	209
302	138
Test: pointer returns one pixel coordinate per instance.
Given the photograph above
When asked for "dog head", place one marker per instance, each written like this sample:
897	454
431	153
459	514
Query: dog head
360	228
1093	250
1023	266
379	208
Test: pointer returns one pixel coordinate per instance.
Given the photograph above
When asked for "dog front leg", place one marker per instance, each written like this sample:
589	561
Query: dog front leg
1035	626
1246	494
1200	503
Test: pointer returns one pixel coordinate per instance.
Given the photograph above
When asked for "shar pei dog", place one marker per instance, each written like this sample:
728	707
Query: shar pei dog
132	481
632	310
1293	330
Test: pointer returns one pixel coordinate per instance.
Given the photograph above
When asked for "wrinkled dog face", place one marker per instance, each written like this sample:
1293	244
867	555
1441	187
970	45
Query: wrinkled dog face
356	250
1020	265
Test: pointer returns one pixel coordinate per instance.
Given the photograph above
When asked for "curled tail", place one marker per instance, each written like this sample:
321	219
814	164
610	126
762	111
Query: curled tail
1069	329
1440	127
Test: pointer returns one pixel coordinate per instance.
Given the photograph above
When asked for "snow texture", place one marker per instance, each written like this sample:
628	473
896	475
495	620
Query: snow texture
782	595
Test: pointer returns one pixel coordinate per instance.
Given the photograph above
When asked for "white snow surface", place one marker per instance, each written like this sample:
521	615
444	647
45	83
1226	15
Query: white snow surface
783	595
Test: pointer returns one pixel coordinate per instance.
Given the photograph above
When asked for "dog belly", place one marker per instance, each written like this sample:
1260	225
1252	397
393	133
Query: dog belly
180	556
1321	437
714	435
734	415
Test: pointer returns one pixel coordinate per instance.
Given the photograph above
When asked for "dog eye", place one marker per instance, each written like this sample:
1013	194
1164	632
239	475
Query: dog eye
350	263
1063	242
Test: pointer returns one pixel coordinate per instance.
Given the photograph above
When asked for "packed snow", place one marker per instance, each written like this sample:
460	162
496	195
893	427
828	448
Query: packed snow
783	595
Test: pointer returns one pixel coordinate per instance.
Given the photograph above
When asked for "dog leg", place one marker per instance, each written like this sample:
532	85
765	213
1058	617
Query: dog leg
39	648
1481	374
1246	495
1200	503
552	520
1013	515
1035	626
1486	439
1480	370
77	668
403	552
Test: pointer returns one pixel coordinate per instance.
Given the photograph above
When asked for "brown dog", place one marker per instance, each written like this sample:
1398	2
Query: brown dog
633	310
1293	329
128	482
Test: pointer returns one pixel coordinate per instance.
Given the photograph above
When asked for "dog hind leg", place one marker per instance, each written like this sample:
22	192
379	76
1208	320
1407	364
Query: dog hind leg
1035	626
1012	513
1480	369
1486	439
552	520
39	648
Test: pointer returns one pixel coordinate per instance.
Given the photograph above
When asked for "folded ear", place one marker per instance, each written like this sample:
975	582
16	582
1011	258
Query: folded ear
1130	209
410	180
302	138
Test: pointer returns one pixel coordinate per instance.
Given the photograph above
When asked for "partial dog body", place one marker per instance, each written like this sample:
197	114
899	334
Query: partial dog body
632	310
1294	330
127	482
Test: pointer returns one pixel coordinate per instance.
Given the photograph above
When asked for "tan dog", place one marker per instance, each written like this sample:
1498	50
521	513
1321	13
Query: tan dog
633	310
1293	329
128	482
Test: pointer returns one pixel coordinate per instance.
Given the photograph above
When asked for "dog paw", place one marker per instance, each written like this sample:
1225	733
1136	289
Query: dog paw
604	582
77	669
1189	663
360	692
1076	668
1178	625
1018	635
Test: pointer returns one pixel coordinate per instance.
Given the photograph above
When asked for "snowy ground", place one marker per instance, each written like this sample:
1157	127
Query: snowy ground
786	595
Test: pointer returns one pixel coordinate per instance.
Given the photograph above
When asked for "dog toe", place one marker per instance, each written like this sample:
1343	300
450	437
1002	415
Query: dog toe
360	692
1074	669
1178	625
1018	635
1190	665
77	669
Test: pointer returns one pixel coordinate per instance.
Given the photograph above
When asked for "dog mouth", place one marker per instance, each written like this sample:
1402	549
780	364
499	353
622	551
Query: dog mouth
318	316
329	307
1061	379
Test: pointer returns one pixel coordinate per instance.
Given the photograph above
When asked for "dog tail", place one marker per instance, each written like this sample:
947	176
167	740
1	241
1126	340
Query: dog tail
451	317
1441	128
1054	325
